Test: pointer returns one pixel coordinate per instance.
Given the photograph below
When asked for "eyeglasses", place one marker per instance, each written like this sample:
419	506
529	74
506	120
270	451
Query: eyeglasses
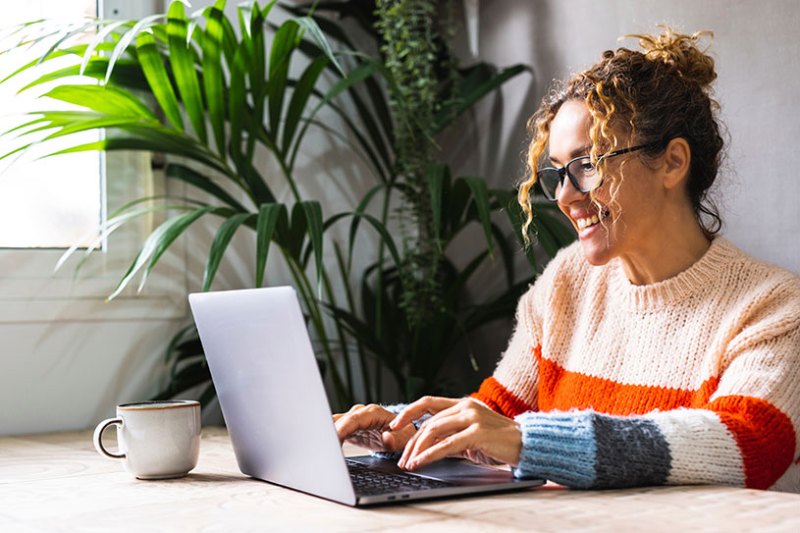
582	173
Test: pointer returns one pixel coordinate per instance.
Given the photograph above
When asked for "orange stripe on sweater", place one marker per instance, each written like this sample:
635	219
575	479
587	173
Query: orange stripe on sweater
499	399
561	389
765	436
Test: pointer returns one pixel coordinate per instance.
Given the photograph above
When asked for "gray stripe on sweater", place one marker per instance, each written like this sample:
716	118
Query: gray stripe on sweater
630	452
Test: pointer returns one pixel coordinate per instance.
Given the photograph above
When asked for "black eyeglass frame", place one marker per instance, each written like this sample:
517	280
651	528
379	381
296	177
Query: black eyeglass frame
564	172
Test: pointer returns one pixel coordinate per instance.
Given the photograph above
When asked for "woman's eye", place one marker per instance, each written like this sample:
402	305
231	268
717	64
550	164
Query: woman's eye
587	168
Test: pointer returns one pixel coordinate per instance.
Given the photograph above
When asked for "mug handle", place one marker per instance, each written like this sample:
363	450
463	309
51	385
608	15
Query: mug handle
98	438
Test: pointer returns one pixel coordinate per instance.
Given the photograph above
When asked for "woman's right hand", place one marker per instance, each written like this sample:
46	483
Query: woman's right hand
367	426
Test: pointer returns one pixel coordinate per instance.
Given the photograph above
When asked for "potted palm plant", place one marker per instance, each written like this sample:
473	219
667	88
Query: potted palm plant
209	96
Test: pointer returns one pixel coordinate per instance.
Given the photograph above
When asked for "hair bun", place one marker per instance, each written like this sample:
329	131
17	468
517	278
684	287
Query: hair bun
681	52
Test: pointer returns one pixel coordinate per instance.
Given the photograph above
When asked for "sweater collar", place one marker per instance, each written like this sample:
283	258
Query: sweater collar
676	289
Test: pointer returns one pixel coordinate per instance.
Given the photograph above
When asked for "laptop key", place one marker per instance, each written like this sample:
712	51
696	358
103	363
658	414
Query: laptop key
370	482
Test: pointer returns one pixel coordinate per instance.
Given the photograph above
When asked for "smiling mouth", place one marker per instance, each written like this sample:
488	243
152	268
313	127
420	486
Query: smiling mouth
588	222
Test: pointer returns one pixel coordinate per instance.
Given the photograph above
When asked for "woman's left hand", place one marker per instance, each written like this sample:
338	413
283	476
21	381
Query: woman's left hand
464	428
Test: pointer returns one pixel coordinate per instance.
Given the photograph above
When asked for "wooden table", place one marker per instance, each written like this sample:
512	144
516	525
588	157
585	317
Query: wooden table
57	482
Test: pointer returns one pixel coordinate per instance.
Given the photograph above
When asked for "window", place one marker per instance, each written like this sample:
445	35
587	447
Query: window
53	203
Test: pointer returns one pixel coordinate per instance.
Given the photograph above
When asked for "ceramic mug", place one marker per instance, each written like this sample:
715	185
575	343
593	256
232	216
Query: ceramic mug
157	440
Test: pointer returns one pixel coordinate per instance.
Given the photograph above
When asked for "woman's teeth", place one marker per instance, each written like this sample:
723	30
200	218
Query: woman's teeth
586	222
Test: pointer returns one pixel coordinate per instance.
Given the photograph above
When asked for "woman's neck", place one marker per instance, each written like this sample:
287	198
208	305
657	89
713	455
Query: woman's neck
667	255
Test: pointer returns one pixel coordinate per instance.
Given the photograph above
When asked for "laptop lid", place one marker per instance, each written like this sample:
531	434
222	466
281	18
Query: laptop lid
270	390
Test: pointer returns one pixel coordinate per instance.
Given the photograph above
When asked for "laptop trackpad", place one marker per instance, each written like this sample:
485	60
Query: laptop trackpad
456	471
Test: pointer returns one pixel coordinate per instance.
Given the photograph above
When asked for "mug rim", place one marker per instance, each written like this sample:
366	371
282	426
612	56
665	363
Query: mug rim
157	404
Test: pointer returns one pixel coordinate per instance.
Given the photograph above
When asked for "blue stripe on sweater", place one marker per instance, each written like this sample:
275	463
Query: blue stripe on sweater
558	446
585	449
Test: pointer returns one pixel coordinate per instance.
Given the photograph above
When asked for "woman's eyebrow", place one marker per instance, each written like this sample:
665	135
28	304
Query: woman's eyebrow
583	150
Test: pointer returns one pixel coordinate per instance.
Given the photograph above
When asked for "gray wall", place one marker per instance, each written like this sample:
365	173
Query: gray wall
69	375
757	53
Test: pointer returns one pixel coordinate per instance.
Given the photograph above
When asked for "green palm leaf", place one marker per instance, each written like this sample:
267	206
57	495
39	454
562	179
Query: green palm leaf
66	35
213	77
265	228
312	211
473	88
279	59
237	102
302	92
127	74
98	42
223	237
313	29
156	244
157	78
106	100
202	182
257	71
147	141
183	68
480	197
127	39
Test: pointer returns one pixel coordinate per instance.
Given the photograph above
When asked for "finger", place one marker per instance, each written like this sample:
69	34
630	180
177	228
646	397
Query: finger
425	405
432	431
454	444
337	416
396	440
365	417
412	444
407	449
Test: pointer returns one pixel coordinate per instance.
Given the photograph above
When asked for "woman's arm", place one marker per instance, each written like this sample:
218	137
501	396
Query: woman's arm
745	435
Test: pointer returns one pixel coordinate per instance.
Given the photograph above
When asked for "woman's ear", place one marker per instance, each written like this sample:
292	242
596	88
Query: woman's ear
677	161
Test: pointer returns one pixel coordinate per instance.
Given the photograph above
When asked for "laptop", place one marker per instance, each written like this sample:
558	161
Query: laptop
278	416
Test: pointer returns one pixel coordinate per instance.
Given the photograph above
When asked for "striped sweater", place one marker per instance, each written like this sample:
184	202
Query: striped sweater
695	379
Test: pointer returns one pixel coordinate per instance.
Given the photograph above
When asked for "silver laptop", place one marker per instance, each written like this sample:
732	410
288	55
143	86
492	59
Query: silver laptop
278	416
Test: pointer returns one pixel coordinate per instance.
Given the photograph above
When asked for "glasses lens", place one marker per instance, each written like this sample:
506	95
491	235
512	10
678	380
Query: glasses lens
584	173
549	179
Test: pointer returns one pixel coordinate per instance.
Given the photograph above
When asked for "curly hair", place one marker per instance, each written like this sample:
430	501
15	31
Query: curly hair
654	95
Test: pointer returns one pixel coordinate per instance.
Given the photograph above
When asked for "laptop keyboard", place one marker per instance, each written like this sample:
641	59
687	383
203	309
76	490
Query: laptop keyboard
367	482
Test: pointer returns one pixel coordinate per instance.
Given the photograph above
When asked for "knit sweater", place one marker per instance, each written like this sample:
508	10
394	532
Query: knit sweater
695	379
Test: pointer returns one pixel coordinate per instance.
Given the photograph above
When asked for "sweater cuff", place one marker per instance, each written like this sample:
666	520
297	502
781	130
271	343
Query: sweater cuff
557	446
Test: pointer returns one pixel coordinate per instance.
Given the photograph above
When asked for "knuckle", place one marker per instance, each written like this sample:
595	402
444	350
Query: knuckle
473	429
465	404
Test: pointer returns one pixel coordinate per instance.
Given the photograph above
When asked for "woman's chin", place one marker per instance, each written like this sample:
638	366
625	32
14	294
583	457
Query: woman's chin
596	251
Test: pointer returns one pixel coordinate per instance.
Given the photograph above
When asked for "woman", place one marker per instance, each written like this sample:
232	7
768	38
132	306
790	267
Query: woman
652	351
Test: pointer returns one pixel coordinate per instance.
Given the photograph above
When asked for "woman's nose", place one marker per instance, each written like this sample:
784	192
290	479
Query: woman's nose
567	193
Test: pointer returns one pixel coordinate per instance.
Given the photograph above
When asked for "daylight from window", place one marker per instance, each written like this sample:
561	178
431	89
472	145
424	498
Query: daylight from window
44	202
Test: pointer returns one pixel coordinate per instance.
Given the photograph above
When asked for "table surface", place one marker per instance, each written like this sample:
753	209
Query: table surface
58	482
